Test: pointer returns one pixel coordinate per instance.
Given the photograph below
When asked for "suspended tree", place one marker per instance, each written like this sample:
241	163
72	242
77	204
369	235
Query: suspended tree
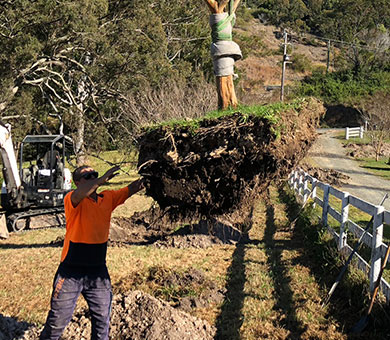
223	50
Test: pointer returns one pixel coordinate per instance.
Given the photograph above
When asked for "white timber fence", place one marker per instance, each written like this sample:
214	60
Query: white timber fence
354	132
306	187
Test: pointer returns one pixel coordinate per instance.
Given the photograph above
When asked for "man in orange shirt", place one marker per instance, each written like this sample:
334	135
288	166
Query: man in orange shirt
83	269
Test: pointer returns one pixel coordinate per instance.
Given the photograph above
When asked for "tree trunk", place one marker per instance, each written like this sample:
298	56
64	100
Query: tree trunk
225	86
226	93
79	139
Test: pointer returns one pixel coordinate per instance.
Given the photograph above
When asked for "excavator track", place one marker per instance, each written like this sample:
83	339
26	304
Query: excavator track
21	220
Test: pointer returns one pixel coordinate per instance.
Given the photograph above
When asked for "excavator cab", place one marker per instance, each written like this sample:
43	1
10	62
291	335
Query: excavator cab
42	170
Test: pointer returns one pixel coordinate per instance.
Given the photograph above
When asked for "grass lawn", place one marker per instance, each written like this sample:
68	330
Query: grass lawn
380	168
274	283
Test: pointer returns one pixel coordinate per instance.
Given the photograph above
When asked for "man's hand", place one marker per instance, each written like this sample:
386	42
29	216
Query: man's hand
135	186
108	175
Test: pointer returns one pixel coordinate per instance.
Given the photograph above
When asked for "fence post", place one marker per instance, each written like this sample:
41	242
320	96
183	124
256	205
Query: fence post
300	184
347	133
325	205
361	132
314	189
344	220
295	180
377	235
291	178
305	186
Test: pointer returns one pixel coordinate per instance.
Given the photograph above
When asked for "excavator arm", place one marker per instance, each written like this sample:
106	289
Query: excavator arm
10	166
10	170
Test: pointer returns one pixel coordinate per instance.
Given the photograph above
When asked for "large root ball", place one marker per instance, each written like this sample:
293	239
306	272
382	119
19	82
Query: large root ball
212	166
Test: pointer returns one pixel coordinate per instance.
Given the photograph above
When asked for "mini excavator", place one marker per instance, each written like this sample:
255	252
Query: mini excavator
38	186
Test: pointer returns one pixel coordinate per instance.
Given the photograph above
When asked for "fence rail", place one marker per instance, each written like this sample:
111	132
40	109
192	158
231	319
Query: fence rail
354	132
305	185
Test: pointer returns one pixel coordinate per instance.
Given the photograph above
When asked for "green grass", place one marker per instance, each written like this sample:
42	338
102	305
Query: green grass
380	168
270	112
354	140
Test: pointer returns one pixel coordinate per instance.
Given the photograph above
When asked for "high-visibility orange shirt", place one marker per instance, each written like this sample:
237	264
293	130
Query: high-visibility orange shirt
87	227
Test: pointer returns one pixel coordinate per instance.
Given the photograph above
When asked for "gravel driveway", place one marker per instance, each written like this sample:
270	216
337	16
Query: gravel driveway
328	153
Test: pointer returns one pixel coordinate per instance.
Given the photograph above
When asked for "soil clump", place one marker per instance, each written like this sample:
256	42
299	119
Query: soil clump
224	163
186	291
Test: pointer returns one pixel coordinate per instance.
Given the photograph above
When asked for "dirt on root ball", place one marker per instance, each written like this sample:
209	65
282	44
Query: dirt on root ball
213	169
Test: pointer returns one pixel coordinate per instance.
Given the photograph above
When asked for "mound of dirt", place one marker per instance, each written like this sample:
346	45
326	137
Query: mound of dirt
327	176
144	228
185	291
138	316
217	167
366	150
202	235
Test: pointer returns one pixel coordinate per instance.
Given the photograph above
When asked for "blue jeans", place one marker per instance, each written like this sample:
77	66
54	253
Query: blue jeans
69	283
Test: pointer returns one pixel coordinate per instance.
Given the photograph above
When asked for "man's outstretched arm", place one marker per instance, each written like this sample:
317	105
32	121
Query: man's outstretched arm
87	187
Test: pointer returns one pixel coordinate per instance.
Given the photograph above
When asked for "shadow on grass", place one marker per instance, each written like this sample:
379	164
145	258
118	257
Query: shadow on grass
231	317
11	328
350	300
53	244
283	293
386	168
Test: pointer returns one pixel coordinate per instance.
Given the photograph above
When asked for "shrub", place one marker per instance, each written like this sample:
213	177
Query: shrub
343	87
301	63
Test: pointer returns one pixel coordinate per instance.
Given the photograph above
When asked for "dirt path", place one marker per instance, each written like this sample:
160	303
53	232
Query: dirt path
328	153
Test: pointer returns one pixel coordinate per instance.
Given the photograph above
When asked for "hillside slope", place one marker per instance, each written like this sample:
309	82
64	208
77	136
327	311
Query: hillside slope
260	69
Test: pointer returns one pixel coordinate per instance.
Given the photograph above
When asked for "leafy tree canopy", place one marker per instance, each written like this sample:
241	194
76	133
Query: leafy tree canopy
78	60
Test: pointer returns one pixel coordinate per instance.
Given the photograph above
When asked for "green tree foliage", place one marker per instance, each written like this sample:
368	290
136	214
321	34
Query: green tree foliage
344	87
78	60
343	19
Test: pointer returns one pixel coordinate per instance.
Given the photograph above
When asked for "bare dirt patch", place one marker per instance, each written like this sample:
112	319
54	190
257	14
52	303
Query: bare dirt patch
328	176
187	291
143	228
151	228
366	150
